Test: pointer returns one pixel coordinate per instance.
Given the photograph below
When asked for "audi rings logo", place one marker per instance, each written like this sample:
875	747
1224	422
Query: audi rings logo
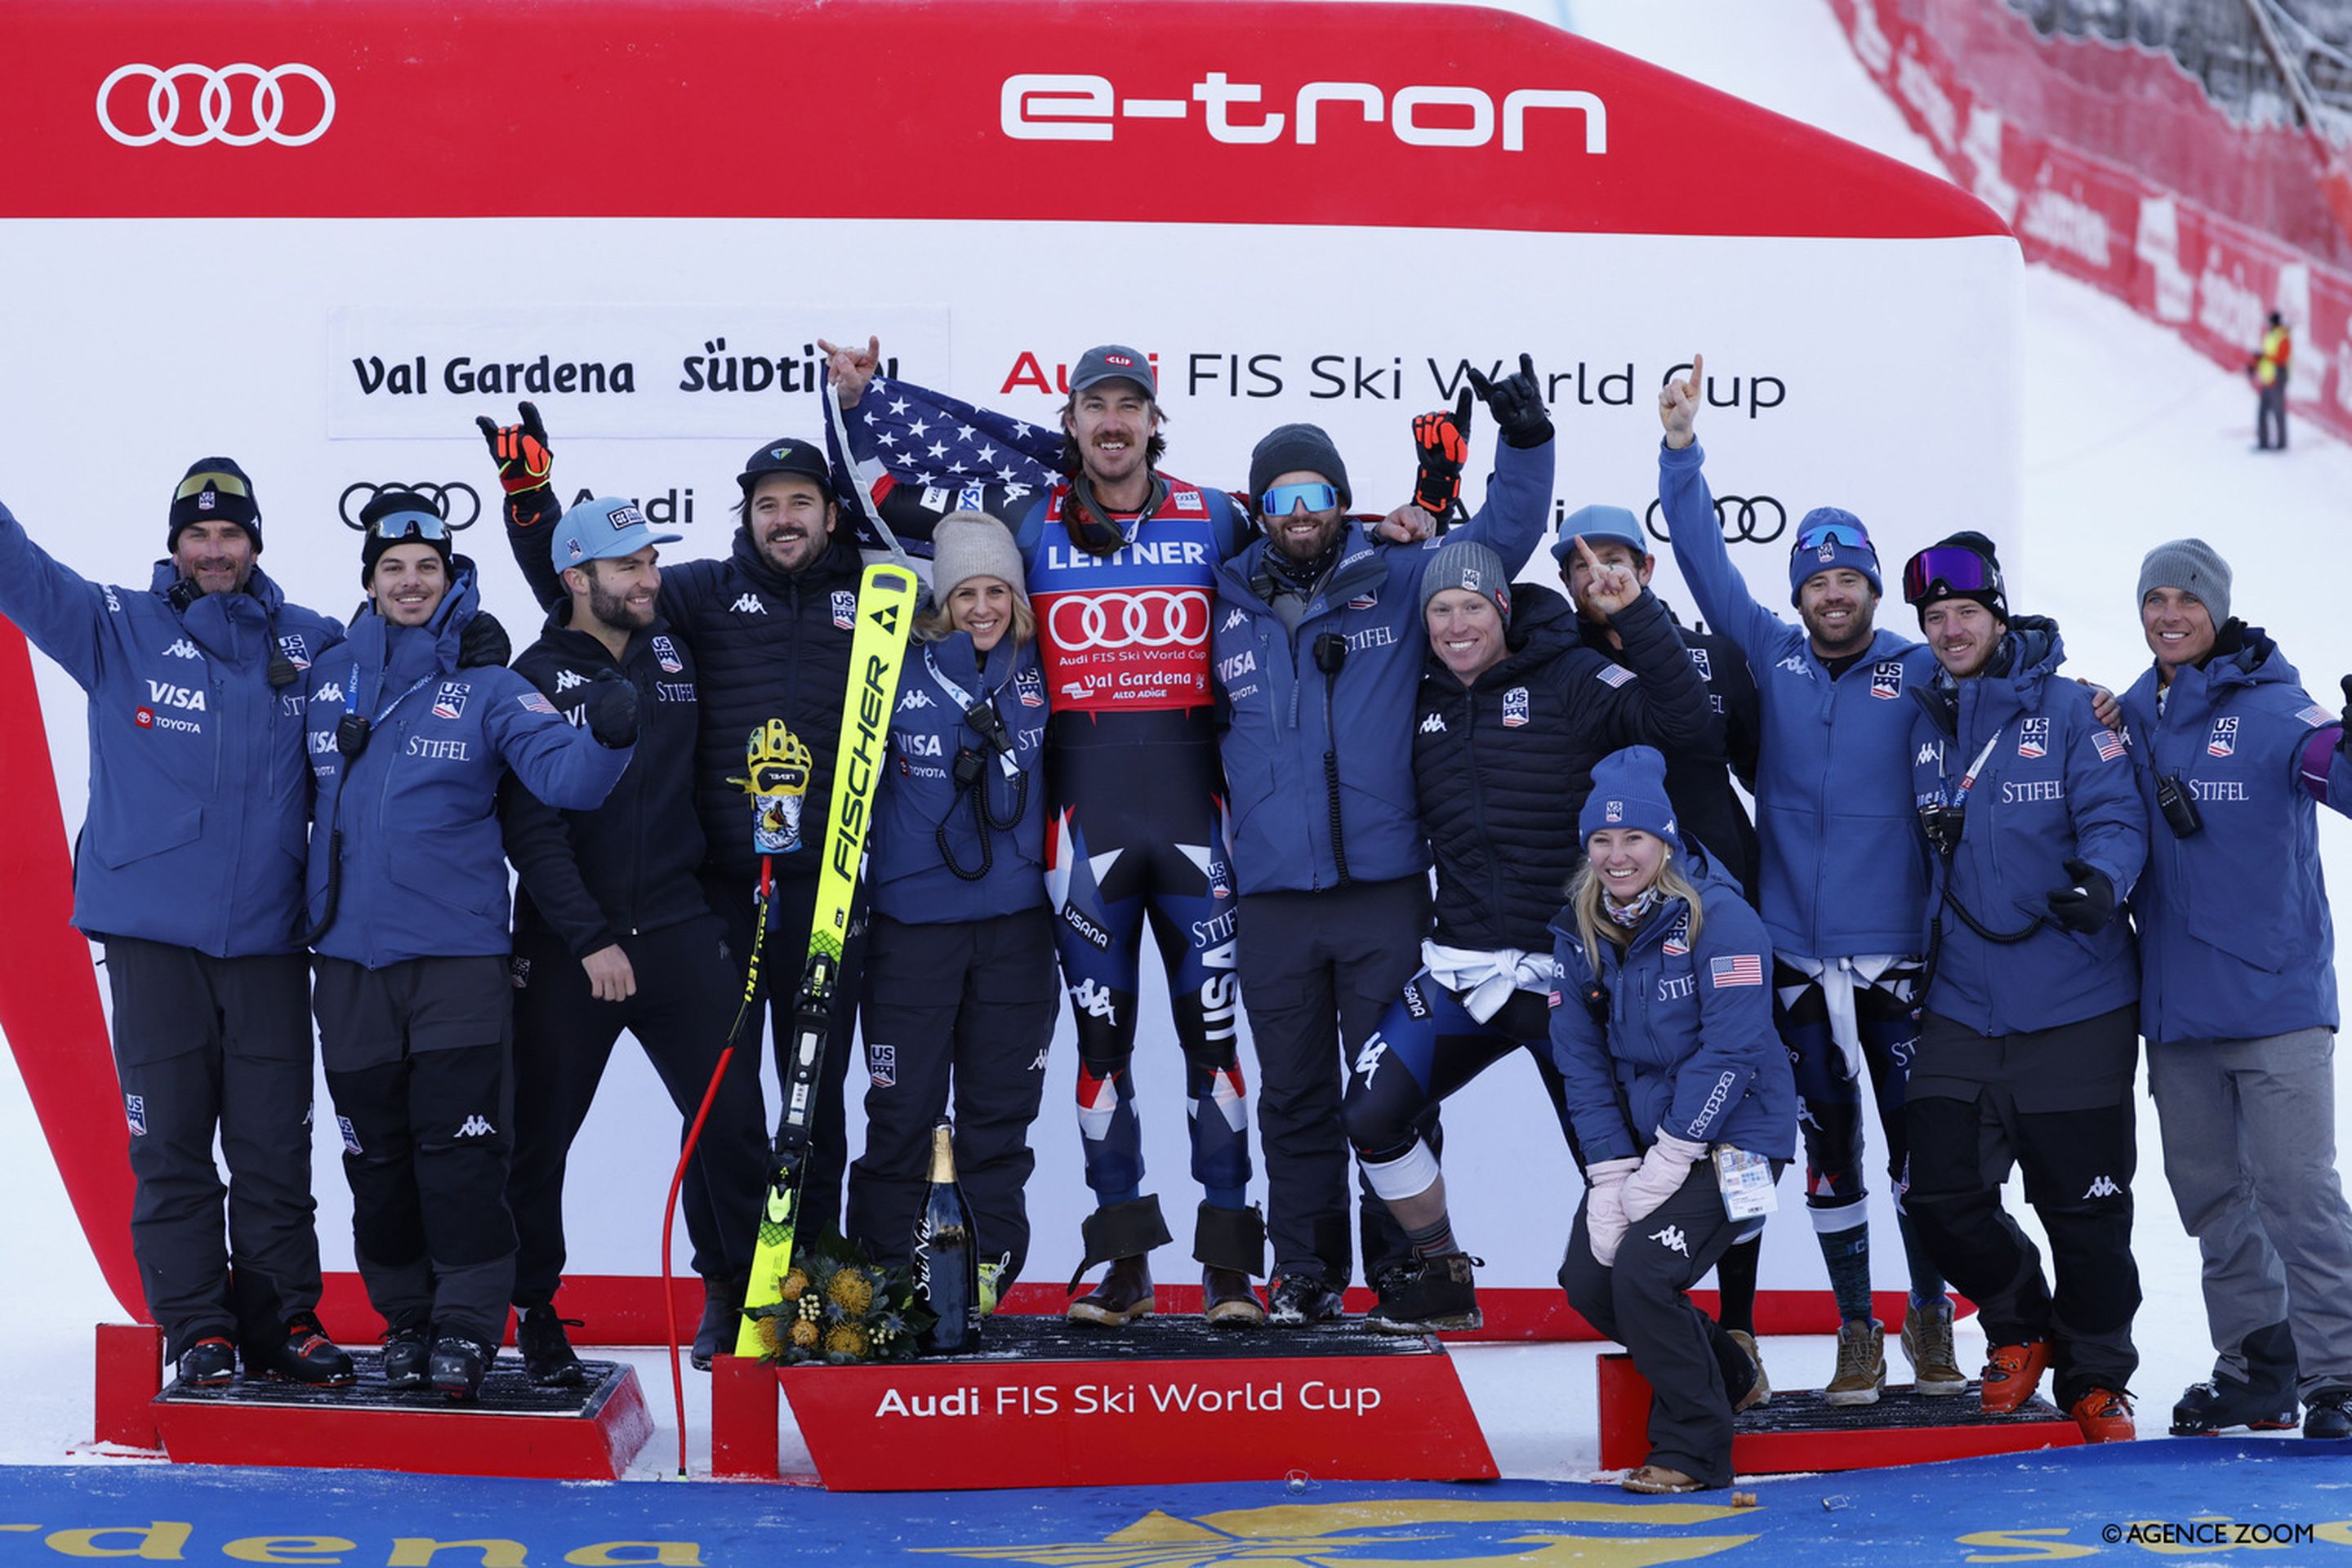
1751	520
1133	617
453	501
269	114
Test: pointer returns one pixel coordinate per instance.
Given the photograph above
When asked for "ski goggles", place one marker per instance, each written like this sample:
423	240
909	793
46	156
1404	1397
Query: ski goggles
225	484
418	522
1947	570
1840	533
1281	500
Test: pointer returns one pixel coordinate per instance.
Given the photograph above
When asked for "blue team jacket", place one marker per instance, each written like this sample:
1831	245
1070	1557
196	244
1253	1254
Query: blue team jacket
2054	785
424	866
1841	872
1280	722
911	878
1689	1044
199	803
2234	933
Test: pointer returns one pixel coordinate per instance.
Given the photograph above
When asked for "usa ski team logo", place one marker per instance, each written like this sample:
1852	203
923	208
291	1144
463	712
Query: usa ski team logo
1365	601
449	702
1887	679
2033	738
134	1109
1678	940
1614	811
1700	662
844	608
2223	740
882	1065
665	655
1515	708
297	651
1030	687
1741	969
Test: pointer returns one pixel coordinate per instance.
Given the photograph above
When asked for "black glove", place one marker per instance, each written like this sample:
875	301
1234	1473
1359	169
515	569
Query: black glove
1442	441
526	462
2343	742
1516	402
483	641
612	709
2088	904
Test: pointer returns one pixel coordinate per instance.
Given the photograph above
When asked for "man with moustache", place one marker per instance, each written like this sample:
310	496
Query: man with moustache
770	627
1843	887
613	931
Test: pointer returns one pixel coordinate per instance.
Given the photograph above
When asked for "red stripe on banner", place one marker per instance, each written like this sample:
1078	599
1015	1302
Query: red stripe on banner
997	110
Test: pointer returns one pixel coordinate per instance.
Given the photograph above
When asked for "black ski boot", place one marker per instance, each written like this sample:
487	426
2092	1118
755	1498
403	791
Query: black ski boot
1230	1245
406	1352
1303	1298
547	1355
302	1354
459	1364
1121	1235
2329	1414
208	1363
1440	1297
722	1318
2262	1401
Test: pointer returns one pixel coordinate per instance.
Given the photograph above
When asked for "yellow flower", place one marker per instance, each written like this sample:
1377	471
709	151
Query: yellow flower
851	1292
795	1284
803	1334
769	1335
846	1339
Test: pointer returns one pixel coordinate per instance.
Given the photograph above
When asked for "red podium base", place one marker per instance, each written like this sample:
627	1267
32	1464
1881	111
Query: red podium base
1798	1430
516	1428
1166	1401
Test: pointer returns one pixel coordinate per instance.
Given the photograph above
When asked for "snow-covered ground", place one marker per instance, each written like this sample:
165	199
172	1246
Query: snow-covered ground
2130	439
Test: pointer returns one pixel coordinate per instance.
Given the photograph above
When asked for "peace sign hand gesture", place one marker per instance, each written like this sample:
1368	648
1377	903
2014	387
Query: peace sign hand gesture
1678	404
1612	587
851	369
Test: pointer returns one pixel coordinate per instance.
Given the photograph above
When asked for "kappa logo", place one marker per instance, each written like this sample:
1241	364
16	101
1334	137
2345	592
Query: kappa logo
916	698
183	648
477	1126
1367	1061
2102	1187
1887	679
749	604
1039	1065
114	604
2032	738
1515	708
1672	1239
1097	1001
565	680
134	1107
1795	664
844	608
2223	740
1929	752
1235	618
882	1065
329	691
1434	725
665	655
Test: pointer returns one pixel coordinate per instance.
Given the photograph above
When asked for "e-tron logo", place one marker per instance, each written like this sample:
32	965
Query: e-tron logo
1053	107
1141	617
218	120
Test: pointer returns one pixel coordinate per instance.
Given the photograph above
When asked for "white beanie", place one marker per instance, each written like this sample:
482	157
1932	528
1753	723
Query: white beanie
968	544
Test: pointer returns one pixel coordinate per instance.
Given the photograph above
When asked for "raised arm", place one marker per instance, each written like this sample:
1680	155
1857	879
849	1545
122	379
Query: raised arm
527	473
1697	541
56	608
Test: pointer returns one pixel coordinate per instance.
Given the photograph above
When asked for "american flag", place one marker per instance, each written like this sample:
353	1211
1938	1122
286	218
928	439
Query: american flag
1741	969
534	703
2110	747
905	435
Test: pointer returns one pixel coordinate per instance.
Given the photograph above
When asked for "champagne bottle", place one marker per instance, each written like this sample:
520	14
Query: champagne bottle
947	1256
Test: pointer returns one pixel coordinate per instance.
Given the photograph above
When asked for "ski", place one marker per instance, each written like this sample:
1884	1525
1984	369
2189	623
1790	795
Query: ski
886	607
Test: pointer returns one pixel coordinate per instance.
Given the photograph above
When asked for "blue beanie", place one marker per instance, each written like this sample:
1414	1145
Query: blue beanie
1597	525
1828	555
1629	790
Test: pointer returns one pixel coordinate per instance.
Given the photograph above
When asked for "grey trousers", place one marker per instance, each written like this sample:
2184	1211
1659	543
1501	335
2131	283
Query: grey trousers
2250	1151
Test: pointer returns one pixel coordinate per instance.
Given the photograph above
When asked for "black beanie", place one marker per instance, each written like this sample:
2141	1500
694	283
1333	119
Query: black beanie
204	502
1296	448
389	503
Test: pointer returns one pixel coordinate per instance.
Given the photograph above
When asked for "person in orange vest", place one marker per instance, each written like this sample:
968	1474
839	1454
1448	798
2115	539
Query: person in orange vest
2267	370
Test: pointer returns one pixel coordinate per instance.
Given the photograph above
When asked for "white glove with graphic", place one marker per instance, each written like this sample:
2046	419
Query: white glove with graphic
1604	1207
1661	1176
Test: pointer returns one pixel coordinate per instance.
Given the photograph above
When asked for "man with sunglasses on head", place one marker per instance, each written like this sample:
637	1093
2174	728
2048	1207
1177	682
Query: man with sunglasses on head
1842	886
1318	656
2028	1037
188	871
408	912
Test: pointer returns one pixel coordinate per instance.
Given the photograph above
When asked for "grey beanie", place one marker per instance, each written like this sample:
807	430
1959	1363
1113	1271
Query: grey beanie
1467	565
1298	448
2192	566
968	544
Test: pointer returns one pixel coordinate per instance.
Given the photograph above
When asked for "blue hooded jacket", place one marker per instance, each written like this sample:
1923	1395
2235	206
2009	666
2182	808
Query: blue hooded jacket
1689	1044
2054	785
2235	939
1281	720
913	881
416	815
199	803
1841	872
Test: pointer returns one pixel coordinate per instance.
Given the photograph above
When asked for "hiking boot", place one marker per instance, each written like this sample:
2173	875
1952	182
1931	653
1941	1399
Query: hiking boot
1861	1364
405	1353
1303	1298
1435	1296
1227	1301
208	1363
2206	1408
722	1320
1657	1480
459	1364
2011	1373
1124	1295
2330	1413
547	1357
1761	1391
2104	1416
305	1355
1928	1346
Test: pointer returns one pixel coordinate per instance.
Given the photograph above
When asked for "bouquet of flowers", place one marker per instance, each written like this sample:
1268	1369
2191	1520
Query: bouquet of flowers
841	1307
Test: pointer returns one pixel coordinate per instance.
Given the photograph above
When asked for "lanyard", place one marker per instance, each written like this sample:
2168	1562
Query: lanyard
351	698
968	705
1955	799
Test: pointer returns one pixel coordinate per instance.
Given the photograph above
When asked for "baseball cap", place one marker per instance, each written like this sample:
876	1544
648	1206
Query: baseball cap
604	529
786	455
1595	523
1111	362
